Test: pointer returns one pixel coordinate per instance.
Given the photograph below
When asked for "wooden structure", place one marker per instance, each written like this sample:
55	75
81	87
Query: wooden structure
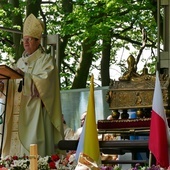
112	147
6	73
33	157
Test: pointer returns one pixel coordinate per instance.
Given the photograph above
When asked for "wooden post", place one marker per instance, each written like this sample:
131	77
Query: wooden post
33	157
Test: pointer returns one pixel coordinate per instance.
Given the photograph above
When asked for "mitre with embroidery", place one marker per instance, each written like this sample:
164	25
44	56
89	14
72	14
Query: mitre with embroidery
33	27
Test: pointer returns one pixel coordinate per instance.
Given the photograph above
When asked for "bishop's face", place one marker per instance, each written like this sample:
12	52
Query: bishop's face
30	44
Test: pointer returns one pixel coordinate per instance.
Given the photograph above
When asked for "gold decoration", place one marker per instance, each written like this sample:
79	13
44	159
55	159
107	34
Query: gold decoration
135	91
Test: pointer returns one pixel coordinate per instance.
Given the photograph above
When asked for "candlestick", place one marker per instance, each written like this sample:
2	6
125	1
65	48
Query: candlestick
33	157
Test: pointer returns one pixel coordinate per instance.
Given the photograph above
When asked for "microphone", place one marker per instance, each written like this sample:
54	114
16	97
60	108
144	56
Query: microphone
21	83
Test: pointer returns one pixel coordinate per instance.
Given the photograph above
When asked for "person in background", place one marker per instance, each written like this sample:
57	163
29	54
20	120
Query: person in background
34	113
79	130
68	132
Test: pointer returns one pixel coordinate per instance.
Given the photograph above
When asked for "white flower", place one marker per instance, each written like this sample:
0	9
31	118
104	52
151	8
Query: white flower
21	163
72	158
43	163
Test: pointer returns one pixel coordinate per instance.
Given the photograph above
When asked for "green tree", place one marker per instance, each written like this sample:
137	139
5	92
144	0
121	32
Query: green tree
90	31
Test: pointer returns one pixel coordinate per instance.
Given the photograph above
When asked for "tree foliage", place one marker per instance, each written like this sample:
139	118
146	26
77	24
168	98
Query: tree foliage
90	33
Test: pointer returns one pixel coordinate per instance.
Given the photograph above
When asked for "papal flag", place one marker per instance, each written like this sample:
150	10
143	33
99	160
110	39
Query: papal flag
88	142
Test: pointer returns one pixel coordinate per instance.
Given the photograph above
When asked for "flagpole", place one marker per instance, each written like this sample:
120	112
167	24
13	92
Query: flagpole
158	34
150	158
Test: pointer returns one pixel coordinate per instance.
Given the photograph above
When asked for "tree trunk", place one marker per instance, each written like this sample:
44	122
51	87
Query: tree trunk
33	7
67	7
105	74
83	70
17	20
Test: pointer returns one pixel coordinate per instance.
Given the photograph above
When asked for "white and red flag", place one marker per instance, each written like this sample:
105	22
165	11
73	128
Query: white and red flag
159	130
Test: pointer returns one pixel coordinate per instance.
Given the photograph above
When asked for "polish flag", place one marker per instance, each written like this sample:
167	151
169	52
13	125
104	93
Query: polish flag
159	130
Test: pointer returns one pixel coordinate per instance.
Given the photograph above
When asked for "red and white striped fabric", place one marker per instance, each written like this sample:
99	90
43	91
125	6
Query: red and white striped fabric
159	130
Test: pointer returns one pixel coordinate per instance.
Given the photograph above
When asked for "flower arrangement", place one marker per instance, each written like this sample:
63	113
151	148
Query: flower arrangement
136	167
44	163
56	162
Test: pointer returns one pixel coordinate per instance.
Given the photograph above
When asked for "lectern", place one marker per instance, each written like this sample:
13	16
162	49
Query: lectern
6	73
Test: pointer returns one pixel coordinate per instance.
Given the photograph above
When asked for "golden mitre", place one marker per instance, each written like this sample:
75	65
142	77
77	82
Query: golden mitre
33	27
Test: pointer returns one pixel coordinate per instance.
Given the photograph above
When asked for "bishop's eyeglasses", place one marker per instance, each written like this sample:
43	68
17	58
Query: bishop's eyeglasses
28	39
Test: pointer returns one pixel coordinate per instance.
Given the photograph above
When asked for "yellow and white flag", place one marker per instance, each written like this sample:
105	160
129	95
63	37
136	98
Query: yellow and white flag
89	143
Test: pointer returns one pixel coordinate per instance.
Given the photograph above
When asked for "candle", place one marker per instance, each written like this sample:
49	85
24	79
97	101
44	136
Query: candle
33	157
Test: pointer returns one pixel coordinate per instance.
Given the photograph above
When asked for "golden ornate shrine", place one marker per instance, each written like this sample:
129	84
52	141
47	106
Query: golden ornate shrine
135	91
